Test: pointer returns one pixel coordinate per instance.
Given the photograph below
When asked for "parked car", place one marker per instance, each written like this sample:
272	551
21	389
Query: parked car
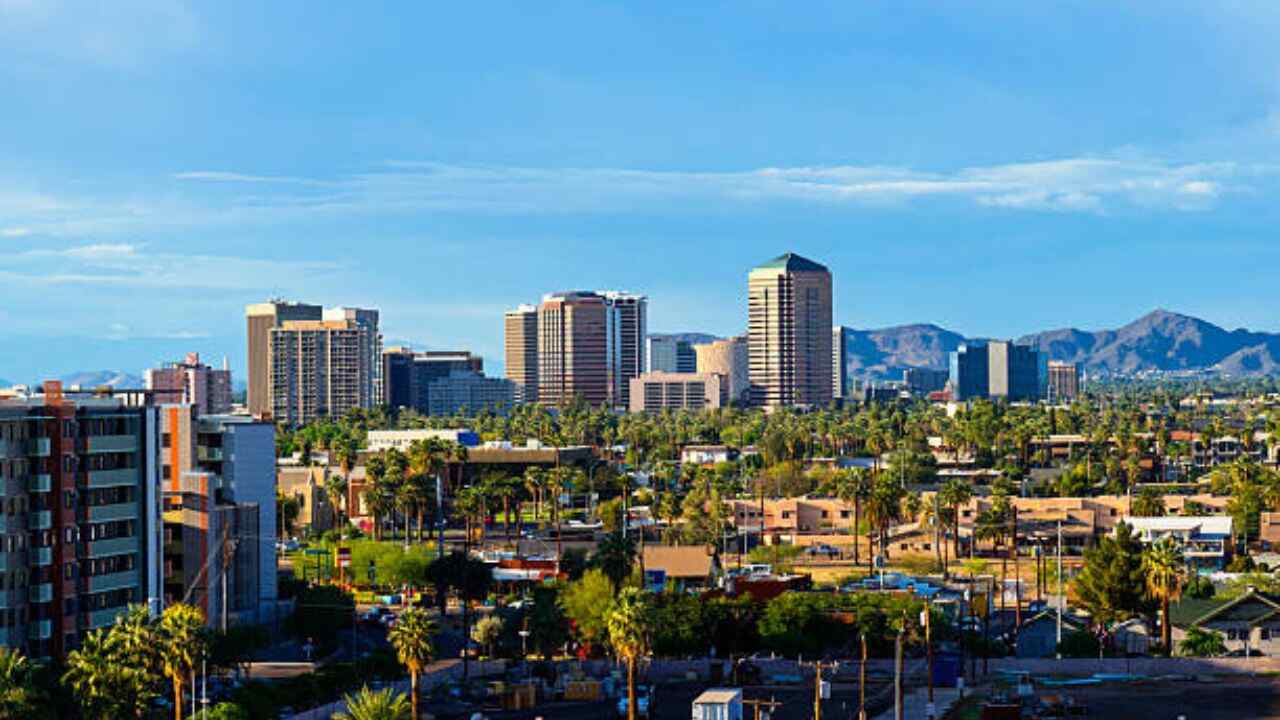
821	549
374	615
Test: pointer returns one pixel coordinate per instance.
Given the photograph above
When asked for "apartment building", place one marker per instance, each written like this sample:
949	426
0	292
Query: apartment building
319	368
467	393
218	480
80	527
654	392
261	318
727	357
370	349
520	334
789	333
191	382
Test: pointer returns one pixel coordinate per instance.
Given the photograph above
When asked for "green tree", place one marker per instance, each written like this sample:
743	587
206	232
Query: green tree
1165	569
18	694
226	711
629	632
411	636
383	704
1111	584
1148	503
486	632
615	555
106	681
586	603
1202	643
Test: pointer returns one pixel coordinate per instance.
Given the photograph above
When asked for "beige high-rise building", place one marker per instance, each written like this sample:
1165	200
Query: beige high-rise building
370	354
1064	381
727	357
261	318
520	330
318	369
573	353
789	332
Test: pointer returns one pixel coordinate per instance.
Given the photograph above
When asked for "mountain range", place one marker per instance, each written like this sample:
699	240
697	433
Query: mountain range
1158	341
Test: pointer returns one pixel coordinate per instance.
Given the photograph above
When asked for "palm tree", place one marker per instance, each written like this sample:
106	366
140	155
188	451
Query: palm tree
629	624
182	643
1165	569
558	480
369	705
954	494
884	507
377	497
411	636
18	695
535	481
335	490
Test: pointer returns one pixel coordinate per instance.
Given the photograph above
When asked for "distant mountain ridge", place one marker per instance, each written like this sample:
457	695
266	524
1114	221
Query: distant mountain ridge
100	378
695	338
1158	341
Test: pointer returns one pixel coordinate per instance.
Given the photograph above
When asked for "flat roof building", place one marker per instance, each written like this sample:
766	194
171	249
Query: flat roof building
727	357
520	333
655	392
260	319
191	382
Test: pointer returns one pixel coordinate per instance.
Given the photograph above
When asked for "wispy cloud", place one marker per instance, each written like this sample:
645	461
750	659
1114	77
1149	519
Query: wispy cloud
133	266
15	232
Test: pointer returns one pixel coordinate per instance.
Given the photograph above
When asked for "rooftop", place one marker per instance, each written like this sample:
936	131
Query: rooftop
1204	524
793	263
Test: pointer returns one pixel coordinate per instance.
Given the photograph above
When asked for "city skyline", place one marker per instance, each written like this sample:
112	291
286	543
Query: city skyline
923	155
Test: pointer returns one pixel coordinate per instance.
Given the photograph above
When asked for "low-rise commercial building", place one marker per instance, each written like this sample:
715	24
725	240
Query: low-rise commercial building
658	391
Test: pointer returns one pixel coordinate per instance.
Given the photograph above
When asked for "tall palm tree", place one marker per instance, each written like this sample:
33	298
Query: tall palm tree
1165	569
182	642
884	507
411	636
18	694
629	626
377	497
102	683
535	482
384	704
335	490
558	481
954	494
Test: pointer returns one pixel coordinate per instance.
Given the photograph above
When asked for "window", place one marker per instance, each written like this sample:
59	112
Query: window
786	514
844	514
165	440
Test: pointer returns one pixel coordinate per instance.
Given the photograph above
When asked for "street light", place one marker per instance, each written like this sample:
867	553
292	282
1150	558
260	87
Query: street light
524	650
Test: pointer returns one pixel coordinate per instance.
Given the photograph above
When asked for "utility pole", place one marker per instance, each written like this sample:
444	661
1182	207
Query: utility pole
862	681
440	517
817	689
1017	578
1061	599
769	705
898	708
228	555
925	620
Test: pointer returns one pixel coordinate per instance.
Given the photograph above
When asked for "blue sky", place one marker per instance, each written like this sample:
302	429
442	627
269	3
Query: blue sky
996	168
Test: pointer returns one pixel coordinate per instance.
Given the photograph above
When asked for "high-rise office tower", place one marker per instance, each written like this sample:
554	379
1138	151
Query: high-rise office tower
81	537
1014	371
1064	381
318	369
969	375
191	382
670	355
627	327
789	331
995	370
261	318
520	328
411	377
573	348
842	371
727	357
370	351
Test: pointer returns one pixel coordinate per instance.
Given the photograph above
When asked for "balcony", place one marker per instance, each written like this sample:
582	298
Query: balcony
42	593
113	581
205	453
41	556
40	447
40	629
113	478
107	513
42	482
111	443
41	519
113	546
103	618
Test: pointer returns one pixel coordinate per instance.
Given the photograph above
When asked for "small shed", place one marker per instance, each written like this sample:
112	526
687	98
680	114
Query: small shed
718	704
1038	636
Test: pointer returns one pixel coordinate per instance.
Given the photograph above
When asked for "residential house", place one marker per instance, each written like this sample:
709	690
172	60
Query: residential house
683	567
1205	541
1251	620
